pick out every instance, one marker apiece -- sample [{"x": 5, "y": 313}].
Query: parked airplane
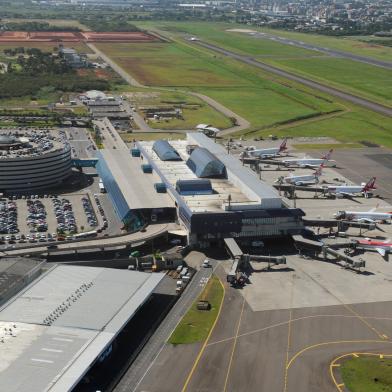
[
  {"x": 268, "y": 152},
  {"x": 312, "y": 162},
  {"x": 305, "y": 179},
  {"x": 382, "y": 247},
  {"x": 370, "y": 216},
  {"x": 341, "y": 191}
]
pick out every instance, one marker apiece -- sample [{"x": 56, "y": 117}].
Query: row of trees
[
  {"x": 35, "y": 26},
  {"x": 20, "y": 85}
]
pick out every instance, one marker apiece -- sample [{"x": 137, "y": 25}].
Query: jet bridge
[
  {"x": 243, "y": 260},
  {"x": 318, "y": 247}
]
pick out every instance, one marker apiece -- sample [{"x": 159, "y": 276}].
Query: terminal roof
[{"x": 94, "y": 303}]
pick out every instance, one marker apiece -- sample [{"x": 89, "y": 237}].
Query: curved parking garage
[{"x": 31, "y": 160}]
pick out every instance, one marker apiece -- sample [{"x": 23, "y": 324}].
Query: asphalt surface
[
  {"x": 331, "y": 52},
  {"x": 146, "y": 359},
  {"x": 307, "y": 82},
  {"x": 360, "y": 164},
  {"x": 274, "y": 350}
]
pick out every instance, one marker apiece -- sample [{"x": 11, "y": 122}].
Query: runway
[
  {"x": 376, "y": 107},
  {"x": 331, "y": 52}
]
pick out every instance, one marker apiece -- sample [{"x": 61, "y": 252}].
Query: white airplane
[
  {"x": 305, "y": 179},
  {"x": 370, "y": 216},
  {"x": 382, "y": 247},
  {"x": 268, "y": 152},
  {"x": 311, "y": 162},
  {"x": 341, "y": 191}
]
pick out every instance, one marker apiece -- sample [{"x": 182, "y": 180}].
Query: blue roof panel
[
  {"x": 165, "y": 151},
  {"x": 205, "y": 164}
]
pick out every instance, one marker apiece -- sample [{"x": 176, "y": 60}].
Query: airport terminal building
[
  {"x": 65, "y": 322},
  {"x": 196, "y": 182}
]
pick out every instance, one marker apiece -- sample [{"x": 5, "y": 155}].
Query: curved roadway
[{"x": 376, "y": 107}]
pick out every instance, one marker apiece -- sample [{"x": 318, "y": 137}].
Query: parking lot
[{"x": 48, "y": 218}]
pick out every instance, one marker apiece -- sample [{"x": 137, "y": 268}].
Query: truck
[{"x": 102, "y": 187}]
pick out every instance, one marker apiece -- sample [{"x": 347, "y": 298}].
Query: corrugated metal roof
[{"x": 95, "y": 304}]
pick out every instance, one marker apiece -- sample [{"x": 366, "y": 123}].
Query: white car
[{"x": 206, "y": 263}]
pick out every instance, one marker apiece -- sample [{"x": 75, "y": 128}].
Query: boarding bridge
[
  {"x": 318, "y": 247},
  {"x": 243, "y": 260}
]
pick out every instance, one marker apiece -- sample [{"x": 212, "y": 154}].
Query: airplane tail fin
[
  {"x": 319, "y": 171},
  {"x": 283, "y": 146},
  {"x": 370, "y": 185},
  {"x": 328, "y": 155}
]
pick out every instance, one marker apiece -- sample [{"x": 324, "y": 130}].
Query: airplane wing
[
  {"x": 381, "y": 251},
  {"x": 366, "y": 220}
]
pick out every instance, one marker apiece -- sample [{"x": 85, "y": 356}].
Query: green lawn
[
  {"x": 367, "y": 374},
  {"x": 271, "y": 103},
  {"x": 369, "y": 81},
  {"x": 259, "y": 97},
  {"x": 353, "y": 126},
  {"x": 196, "y": 324}
]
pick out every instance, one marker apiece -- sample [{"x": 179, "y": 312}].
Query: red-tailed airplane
[
  {"x": 349, "y": 190},
  {"x": 382, "y": 247}
]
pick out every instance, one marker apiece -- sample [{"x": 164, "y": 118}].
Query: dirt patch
[{"x": 48, "y": 36}]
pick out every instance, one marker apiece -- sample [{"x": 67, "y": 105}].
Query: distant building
[{"x": 73, "y": 58}]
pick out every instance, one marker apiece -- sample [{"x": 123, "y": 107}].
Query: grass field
[
  {"x": 244, "y": 43},
  {"x": 196, "y": 324},
  {"x": 367, "y": 374},
  {"x": 353, "y": 126},
  {"x": 367, "y": 80},
  {"x": 352, "y": 44},
  {"x": 247, "y": 91},
  {"x": 271, "y": 104},
  {"x": 161, "y": 64}
]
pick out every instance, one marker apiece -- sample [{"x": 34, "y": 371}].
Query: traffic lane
[
  {"x": 307, "y": 82},
  {"x": 150, "y": 359}
]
